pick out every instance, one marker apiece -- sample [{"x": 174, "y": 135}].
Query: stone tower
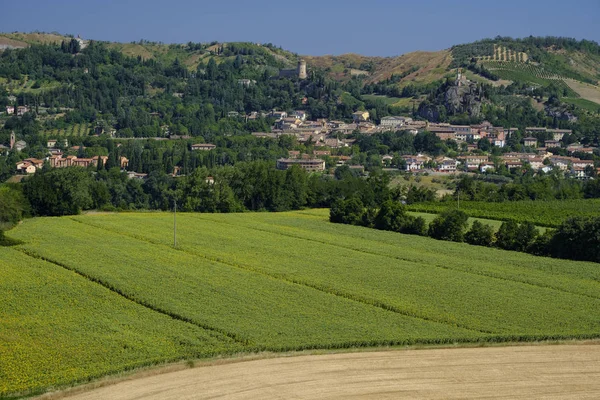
[
  {"x": 12, "y": 140},
  {"x": 302, "y": 69}
]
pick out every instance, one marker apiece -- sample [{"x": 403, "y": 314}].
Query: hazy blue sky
[{"x": 370, "y": 27}]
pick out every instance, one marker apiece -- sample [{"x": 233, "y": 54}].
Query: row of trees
[
  {"x": 575, "y": 239},
  {"x": 255, "y": 186}
]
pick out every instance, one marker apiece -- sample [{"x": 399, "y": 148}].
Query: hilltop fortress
[{"x": 298, "y": 72}]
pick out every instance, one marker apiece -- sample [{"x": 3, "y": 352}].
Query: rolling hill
[{"x": 571, "y": 66}]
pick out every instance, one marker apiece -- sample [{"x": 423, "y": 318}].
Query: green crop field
[
  {"x": 112, "y": 289},
  {"x": 541, "y": 213},
  {"x": 71, "y": 130}
]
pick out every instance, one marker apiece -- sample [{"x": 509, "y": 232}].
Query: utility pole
[{"x": 174, "y": 222}]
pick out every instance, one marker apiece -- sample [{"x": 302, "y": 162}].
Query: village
[{"x": 328, "y": 139}]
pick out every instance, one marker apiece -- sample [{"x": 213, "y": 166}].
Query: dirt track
[{"x": 520, "y": 372}]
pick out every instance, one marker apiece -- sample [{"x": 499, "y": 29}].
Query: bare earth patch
[
  {"x": 585, "y": 90},
  {"x": 519, "y": 372}
]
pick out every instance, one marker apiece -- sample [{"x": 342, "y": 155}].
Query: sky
[{"x": 308, "y": 27}]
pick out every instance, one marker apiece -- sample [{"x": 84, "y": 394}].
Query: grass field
[
  {"x": 583, "y": 103},
  {"x": 260, "y": 281},
  {"x": 541, "y": 213}
]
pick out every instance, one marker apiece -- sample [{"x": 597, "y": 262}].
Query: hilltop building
[{"x": 298, "y": 72}]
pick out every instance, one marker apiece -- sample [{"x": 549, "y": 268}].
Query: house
[
  {"x": 392, "y": 122},
  {"x": 466, "y": 129},
  {"x": 310, "y": 165},
  {"x": 536, "y": 163},
  {"x": 233, "y": 114},
  {"x": 551, "y": 143},
  {"x": 472, "y": 161},
  {"x": 530, "y": 142},
  {"x": 360, "y": 116},
  {"x": 203, "y": 146},
  {"x": 497, "y": 138},
  {"x": 514, "y": 164},
  {"x": 22, "y": 110},
  {"x": 447, "y": 165},
  {"x": 322, "y": 153},
  {"x": 414, "y": 163},
  {"x": 487, "y": 166},
  {"x": 299, "y": 114},
  {"x": 246, "y": 82},
  {"x": 136, "y": 175},
  {"x": 278, "y": 114},
  {"x": 25, "y": 167},
  {"x": 10, "y": 110},
  {"x": 52, "y": 143},
  {"x": 557, "y": 134}
]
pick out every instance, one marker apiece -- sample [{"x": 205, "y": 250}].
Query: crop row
[
  {"x": 541, "y": 213},
  {"x": 71, "y": 130}
]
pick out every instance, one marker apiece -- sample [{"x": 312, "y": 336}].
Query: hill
[
  {"x": 260, "y": 281},
  {"x": 572, "y": 66}
]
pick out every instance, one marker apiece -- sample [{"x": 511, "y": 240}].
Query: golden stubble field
[{"x": 517, "y": 372}]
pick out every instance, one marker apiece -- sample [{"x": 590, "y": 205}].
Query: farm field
[
  {"x": 71, "y": 130},
  {"x": 517, "y": 372},
  {"x": 58, "y": 327},
  {"x": 262, "y": 281},
  {"x": 541, "y": 213}
]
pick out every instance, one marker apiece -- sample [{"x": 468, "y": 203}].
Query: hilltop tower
[
  {"x": 12, "y": 140},
  {"x": 302, "y": 69}
]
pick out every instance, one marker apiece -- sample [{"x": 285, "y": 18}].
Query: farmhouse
[{"x": 311, "y": 165}]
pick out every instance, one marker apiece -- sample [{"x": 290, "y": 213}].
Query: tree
[
  {"x": 12, "y": 206},
  {"x": 450, "y": 225},
  {"x": 62, "y": 191},
  {"x": 348, "y": 211},
  {"x": 514, "y": 236},
  {"x": 480, "y": 234},
  {"x": 577, "y": 239}
]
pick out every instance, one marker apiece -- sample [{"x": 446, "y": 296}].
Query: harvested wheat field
[{"x": 518, "y": 372}]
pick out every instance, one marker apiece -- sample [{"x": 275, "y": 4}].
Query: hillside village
[{"x": 329, "y": 138}]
